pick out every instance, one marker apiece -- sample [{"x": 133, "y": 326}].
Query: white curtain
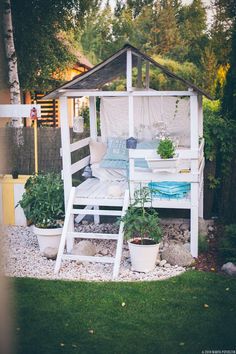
[{"x": 151, "y": 116}]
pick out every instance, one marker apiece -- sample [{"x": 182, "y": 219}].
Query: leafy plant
[
  {"x": 43, "y": 200},
  {"x": 166, "y": 148},
  {"x": 203, "y": 244},
  {"x": 142, "y": 222},
  {"x": 227, "y": 244}
]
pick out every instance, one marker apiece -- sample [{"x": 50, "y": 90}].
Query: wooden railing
[{"x": 79, "y": 165}]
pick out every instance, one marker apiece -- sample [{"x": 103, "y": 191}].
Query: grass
[{"x": 187, "y": 314}]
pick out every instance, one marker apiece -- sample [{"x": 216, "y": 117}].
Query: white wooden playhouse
[{"x": 139, "y": 112}]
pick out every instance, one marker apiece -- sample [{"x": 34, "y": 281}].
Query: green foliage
[
  {"x": 41, "y": 52},
  {"x": 43, "y": 200},
  {"x": 229, "y": 98},
  {"x": 219, "y": 134},
  {"x": 186, "y": 70},
  {"x": 140, "y": 221},
  {"x": 203, "y": 244},
  {"x": 166, "y": 148},
  {"x": 227, "y": 244}
]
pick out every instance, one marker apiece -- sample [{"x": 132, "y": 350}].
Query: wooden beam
[
  {"x": 147, "y": 78},
  {"x": 66, "y": 153},
  {"x": 129, "y": 70},
  {"x": 139, "y": 78},
  {"x": 18, "y": 110},
  {"x": 200, "y": 116},
  {"x": 77, "y": 166},
  {"x": 148, "y": 93},
  {"x": 93, "y": 118},
  {"x": 131, "y": 115}
]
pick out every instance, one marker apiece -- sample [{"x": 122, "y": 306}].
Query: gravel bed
[{"x": 23, "y": 259}]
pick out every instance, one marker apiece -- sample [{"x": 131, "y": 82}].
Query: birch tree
[{"x": 13, "y": 78}]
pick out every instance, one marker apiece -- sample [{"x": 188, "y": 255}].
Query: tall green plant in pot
[
  {"x": 143, "y": 232},
  {"x": 43, "y": 205}
]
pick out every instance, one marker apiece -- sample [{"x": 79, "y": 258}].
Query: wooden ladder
[{"x": 67, "y": 235}]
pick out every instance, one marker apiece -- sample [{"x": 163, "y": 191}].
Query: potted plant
[
  {"x": 143, "y": 232},
  {"x": 43, "y": 205},
  {"x": 166, "y": 159}
]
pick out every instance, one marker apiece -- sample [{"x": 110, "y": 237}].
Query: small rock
[
  {"x": 50, "y": 252},
  {"x": 167, "y": 265},
  {"x": 104, "y": 251},
  {"x": 187, "y": 246},
  {"x": 183, "y": 227},
  {"x": 177, "y": 254},
  {"x": 186, "y": 235},
  {"x": 210, "y": 228},
  {"x": 229, "y": 268},
  {"x": 126, "y": 254},
  {"x": 163, "y": 262},
  {"x": 84, "y": 248}
]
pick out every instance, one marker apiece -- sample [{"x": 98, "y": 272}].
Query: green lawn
[{"x": 158, "y": 317}]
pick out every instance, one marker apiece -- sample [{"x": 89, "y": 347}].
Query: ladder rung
[
  {"x": 91, "y": 235},
  {"x": 102, "y": 259},
  {"x": 96, "y": 212}
]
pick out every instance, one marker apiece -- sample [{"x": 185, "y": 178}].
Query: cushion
[
  {"x": 116, "y": 149},
  {"x": 97, "y": 151},
  {"x": 116, "y": 164},
  {"x": 105, "y": 174},
  {"x": 151, "y": 144}
]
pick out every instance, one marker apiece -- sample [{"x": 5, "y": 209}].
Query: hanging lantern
[{"x": 78, "y": 124}]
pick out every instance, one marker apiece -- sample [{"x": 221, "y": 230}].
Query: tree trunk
[{"x": 13, "y": 78}]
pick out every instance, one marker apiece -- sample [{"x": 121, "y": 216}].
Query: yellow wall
[{"x": 7, "y": 202}]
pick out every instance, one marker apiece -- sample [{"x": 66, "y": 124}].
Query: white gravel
[{"x": 23, "y": 259}]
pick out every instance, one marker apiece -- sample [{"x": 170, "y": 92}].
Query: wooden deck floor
[{"x": 96, "y": 192}]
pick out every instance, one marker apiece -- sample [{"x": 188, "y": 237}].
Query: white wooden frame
[{"x": 194, "y": 155}]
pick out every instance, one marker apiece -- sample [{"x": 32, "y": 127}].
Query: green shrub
[
  {"x": 43, "y": 200},
  {"x": 227, "y": 244},
  {"x": 203, "y": 244}
]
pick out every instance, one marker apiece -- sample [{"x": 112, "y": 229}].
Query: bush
[
  {"x": 43, "y": 200},
  {"x": 227, "y": 244},
  {"x": 203, "y": 244}
]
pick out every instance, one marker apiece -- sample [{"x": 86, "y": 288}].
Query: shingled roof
[{"x": 112, "y": 68}]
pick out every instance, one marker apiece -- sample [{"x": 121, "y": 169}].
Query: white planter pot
[
  {"x": 143, "y": 257},
  {"x": 163, "y": 165},
  {"x": 48, "y": 237}
]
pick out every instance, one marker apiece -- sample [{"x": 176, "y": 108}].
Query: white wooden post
[
  {"x": 200, "y": 117},
  {"x": 200, "y": 130},
  {"x": 194, "y": 170},
  {"x": 129, "y": 70},
  {"x": 66, "y": 161},
  {"x": 147, "y": 79},
  {"x": 93, "y": 135},
  {"x": 139, "y": 78},
  {"x": 131, "y": 115},
  {"x": 93, "y": 118}
]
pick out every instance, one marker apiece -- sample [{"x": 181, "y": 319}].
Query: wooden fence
[{"x": 17, "y": 149}]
